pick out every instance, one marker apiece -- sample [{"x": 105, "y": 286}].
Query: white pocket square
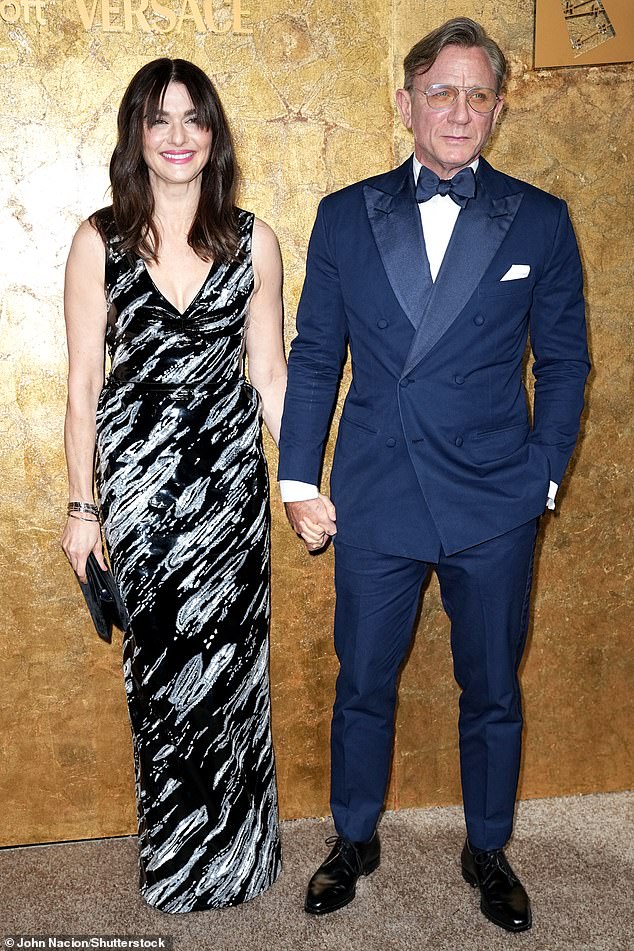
[{"x": 516, "y": 271}]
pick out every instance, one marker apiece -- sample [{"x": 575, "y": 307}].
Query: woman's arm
[
  {"x": 264, "y": 340},
  {"x": 86, "y": 316},
  {"x": 265, "y": 351}
]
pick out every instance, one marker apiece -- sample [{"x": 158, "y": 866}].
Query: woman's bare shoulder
[
  {"x": 87, "y": 246},
  {"x": 263, "y": 232},
  {"x": 266, "y": 248}
]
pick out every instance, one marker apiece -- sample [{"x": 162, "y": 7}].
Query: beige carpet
[{"x": 574, "y": 855}]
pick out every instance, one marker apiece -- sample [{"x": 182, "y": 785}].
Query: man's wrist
[
  {"x": 552, "y": 492},
  {"x": 293, "y": 491}
]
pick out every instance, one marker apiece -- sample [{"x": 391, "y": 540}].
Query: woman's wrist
[{"x": 86, "y": 511}]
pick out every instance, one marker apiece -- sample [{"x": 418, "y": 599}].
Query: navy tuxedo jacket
[{"x": 435, "y": 421}]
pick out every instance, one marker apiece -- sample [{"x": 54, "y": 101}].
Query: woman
[{"x": 191, "y": 283}]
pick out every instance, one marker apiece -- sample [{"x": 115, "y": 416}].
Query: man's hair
[{"x": 461, "y": 31}]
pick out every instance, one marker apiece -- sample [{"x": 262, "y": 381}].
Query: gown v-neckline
[{"x": 168, "y": 301}]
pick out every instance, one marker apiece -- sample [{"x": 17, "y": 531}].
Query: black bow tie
[{"x": 460, "y": 188}]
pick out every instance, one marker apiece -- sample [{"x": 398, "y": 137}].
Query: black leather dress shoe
[
  {"x": 334, "y": 883},
  {"x": 502, "y": 896}
]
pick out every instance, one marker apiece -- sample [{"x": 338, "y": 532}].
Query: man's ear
[
  {"x": 498, "y": 109},
  {"x": 404, "y": 105}
]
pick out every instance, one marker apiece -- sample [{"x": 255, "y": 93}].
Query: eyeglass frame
[{"x": 465, "y": 89}]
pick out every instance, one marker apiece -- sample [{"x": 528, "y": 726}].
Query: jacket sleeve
[
  {"x": 558, "y": 341},
  {"x": 315, "y": 361}
]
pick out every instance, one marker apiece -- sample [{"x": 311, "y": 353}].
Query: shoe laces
[
  {"x": 347, "y": 852},
  {"x": 490, "y": 863}
]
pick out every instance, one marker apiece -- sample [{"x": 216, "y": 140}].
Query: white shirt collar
[{"x": 418, "y": 166}]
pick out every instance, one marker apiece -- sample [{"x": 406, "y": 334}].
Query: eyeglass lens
[{"x": 442, "y": 97}]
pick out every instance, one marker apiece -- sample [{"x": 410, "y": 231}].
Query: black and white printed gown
[{"x": 183, "y": 485}]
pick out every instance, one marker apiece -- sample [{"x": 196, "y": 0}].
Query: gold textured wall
[{"x": 309, "y": 89}]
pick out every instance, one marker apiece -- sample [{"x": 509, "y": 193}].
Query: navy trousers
[{"x": 485, "y": 591}]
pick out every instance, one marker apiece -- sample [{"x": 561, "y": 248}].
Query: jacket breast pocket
[
  {"x": 522, "y": 287},
  {"x": 494, "y": 445}
]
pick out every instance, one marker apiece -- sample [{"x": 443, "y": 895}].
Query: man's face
[{"x": 446, "y": 140}]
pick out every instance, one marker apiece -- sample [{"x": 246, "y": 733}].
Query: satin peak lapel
[
  {"x": 477, "y": 235},
  {"x": 398, "y": 232}
]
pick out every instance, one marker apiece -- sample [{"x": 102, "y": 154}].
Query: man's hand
[{"x": 313, "y": 520}]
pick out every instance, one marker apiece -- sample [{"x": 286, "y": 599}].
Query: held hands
[
  {"x": 79, "y": 538},
  {"x": 313, "y": 520}
]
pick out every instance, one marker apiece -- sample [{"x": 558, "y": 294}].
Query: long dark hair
[{"x": 214, "y": 230}]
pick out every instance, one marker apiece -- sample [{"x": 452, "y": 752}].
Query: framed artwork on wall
[{"x": 583, "y": 32}]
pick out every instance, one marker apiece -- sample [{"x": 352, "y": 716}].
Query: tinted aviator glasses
[{"x": 480, "y": 98}]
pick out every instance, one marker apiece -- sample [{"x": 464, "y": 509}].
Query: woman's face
[{"x": 175, "y": 147}]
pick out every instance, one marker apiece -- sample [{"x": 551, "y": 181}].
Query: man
[{"x": 434, "y": 273}]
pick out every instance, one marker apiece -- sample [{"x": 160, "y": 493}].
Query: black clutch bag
[{"x": 103, "y": 599}]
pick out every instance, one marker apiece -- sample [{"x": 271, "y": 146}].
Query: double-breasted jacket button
[
  {"x": 405, "y": 382},
  {"x": 382, "y": 323},
  {"x": 390, "y": 442},
  {"x": 458, "y": 379},
  {"x": 459, "y": 441},
  {"x": 478, "y": 320}
]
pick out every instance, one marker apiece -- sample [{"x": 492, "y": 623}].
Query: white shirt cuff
[
  {"x": 552, "y": 492},
  {"x": 292, "y": 491}
]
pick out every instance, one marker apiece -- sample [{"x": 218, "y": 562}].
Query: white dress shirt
[{"x": 438, "y": 216}]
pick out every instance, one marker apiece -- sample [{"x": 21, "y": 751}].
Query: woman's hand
[{"x": 79, "y": 539}]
